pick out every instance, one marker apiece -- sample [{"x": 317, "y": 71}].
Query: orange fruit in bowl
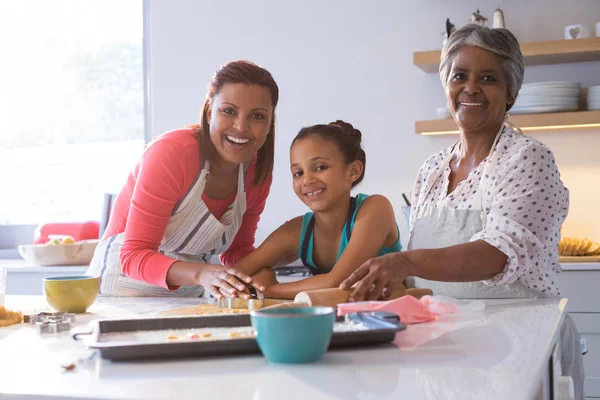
[{"x": 67, "y": 240}]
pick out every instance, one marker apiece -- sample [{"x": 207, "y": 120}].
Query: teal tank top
[{"x": 305, "y": 247}]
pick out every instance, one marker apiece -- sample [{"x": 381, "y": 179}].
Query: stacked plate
[
  {"x": 593, "y": 98},
  {"x": 544, "y": 97}
]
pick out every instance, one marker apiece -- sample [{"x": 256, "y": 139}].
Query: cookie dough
[
  {"x": 201, "y": 309},
  {"x": 8, "y": 317}
]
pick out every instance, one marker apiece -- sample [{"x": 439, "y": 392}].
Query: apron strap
[
  {"x": 448, "y": 158},
  {"x": 308, "y": 235},
  {"x": 351, "y": 210}
]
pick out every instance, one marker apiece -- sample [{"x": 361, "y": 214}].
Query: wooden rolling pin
[{"x": 333, "y": 297}]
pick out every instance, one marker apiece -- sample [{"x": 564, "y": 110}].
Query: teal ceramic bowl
[{"x": 293, "y": 335}]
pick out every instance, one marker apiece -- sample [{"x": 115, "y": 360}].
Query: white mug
[
  {"x": 577, "y": 31},
  {"x": 598, "y": 29}
]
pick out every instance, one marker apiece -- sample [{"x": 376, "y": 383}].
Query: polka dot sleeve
[{"x": 526, "y": 204}]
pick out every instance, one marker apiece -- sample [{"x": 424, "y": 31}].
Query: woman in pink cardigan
[{"x": 195, "y": 192}]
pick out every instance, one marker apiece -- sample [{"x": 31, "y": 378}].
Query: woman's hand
[
  {"x": 223, "y": 281},
  {"x": 264, "y": 278},
  {"x": 376, "y": 275}
]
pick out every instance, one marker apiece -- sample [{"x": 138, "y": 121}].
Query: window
[{"x": 71, "y": 106}]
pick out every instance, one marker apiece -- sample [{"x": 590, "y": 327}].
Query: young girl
[{"x": 341, "y": 232}]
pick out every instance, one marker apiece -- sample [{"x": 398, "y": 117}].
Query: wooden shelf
[
  {"x": 577, "y": 120},
  {"x": 534, "y": 53}
]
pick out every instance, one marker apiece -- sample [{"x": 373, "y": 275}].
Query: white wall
[{"x": 352, "y": 60}]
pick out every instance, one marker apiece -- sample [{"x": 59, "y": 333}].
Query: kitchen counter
[
  {"x": 500, "y": 353},
  {"x": 25, "y": 278},
  {"x": 22, "y": 266},
  {"x": 581, "y": 266}
]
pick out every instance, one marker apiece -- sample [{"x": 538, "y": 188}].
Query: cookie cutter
[
  {"x": 47, "y": 322},
  {"x": 254, "y": 303}
]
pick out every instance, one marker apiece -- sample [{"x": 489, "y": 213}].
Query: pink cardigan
[{"x": 161, "y": 178}]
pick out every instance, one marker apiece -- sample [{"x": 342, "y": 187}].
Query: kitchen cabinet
[
  {"x": 579, "y": 283},
  {"x": 26, "y": 278}
]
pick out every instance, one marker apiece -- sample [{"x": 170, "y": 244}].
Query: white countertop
[
  {"x": 499, "y": 353},
  {"x": 20, "y": 265},
  {"x": 582, "y": 266}
]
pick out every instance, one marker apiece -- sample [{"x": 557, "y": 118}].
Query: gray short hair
[{"x": 499, "y": 41}]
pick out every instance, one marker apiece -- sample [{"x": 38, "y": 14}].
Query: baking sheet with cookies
[
  {"x": 221, "y": 335},
  {"x": 574, "y": 249}
]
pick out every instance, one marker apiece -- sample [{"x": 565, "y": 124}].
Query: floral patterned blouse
[{"x": 525, "y": 203}]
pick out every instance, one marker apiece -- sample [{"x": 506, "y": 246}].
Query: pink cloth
[{"x": 410, "y": 309}]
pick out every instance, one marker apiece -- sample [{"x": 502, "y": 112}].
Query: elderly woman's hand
[{"x": 376, "y": 275}]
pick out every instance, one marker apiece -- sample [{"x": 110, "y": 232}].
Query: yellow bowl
[{"x": 72, "y": 294}]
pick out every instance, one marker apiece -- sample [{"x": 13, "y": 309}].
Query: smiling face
[
  {"x": 321, "y": 176},
  {"x": 239, "y": 118},
  {"x": 477, "y": 90}
]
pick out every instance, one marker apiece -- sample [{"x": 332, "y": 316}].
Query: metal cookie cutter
[
  {"x": 46, "y": 322},
  {"x": 254, "y": 303}
]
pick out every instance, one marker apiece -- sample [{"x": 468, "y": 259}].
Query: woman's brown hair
[{"x": 249, "y": 74}]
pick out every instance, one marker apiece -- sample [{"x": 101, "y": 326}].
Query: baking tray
[{"x": 381, "y": 328}]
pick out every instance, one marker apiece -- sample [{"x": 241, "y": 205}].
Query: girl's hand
[
  {"x": 375, "y": 275},
  {"x": 264, "y": 278},
  {"x": 223, "y": 281}
]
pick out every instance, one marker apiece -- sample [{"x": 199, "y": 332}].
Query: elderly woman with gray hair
[{"x": 487, "y": 211}]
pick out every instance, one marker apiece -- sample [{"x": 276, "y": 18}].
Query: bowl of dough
[{"x": 60, "y": 250}]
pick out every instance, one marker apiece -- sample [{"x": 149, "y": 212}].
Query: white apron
[
  {"x": 438, "y": 227},
  {"x": 193, "y": 234}
]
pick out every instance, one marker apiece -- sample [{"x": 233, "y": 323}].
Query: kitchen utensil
[
  {"x": 256, "y": 302},
  {"x": 238, "y": 302},
  {"x": 333, "y": 297},
  {"x": 311, "y": 298},
  {"x": 293, "y": 335},
  {"x": 72, "y": 294},
  {"x": 128, "y": 346},
  {"x": 46, "y": 322}
]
